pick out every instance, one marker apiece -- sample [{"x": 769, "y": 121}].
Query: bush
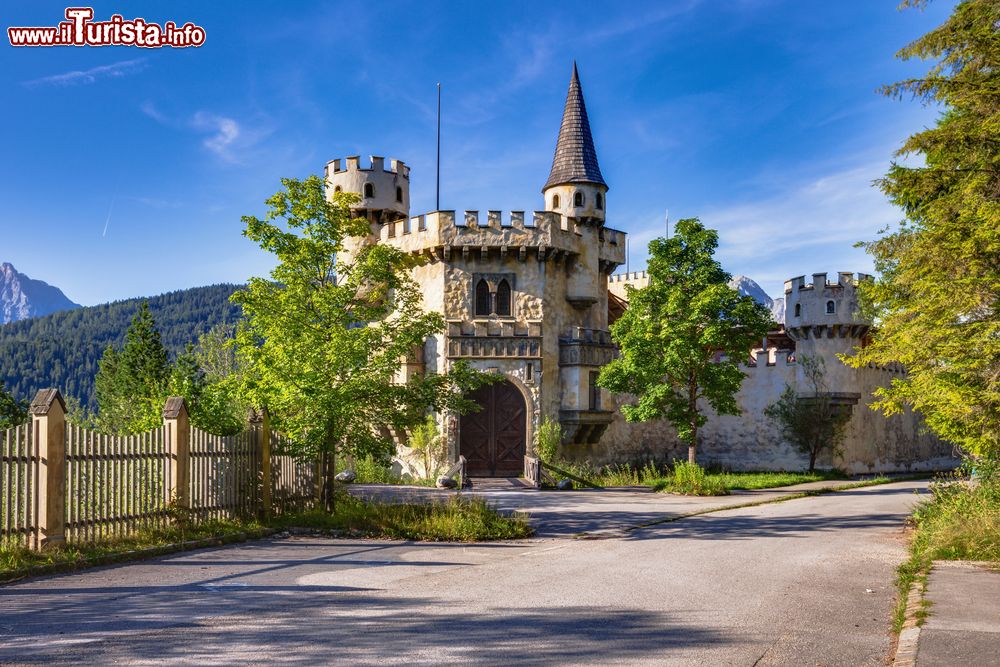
[
  {"x": 426, "y": 441},
  {"x": 691, "y": 479},
  {"x": 548, "y": 440},
  {"x": 371, "y": 469}
]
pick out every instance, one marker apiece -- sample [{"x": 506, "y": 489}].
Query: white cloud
[
  {"x": 811, "y": 225},
  {"x": 92, "y": 75},
  {"x": 225, "y": 131}
]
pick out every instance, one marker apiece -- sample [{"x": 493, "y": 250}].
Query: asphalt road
[{"x": 803, "y": 582}]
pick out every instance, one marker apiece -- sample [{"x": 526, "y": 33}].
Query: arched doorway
[{"x": 493, "y": 440}]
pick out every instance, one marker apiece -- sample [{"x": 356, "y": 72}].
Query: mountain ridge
[{"x": 22, "y": 297}]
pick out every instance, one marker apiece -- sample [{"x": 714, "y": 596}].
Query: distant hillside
[
  {"x": 21, "y": 297},
  {"x": 62, "y": 349}
]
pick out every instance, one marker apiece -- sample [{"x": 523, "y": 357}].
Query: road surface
[{"x": 802, "y": 582}]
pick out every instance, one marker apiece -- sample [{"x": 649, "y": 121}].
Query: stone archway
[{"x": 494, "y": 440}]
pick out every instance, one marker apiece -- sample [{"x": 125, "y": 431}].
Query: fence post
[
  {"x": 178, "y": 427},
  {"x": 262, "y": 420},
  {"x": 48, "y": 417}
]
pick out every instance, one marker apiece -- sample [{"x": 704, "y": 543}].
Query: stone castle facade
[{"x": 531, "y": 295}]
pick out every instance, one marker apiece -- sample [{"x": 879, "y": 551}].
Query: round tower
[
  {"x": 822, "y": 318},
  {"x": 384, "y": 193},
  {"x": 575, "y": 187}
]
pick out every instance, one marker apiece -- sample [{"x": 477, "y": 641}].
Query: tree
[
  {"x": 814, "y": 422},
  {"x": 131, "y": 383},
  {"x": 323, "y": 339},
  {"x": 12, "y": 411},
  {"x": 683, "y": 336},
  {"x": 937, "y": 298}
]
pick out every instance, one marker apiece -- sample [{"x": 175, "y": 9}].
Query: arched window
[
  {"x": 482, "y": 298},
  {"x": 337, "y": 189},
  {"x": 578, "y": 199},
  {"x": 369, "y": 191},
  {"x": 503, "y": 298},
  {"x": 399, "y": 195},
  {"x": 831, "y": 307},
  {"x": 798, "y": 310},
  {"x": 555, "y": 201},
  {"x": 599, "y": 199}
]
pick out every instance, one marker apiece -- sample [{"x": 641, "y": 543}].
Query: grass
[
  {"x": 960, "y": 521},
  {"x": 16, "y": 560},
  {"x": 683, "y": 478},
  {"x": 455, "y": 520},
  {"x": 371, "y": 470}
]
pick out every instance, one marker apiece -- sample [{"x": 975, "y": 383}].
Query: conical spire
[{"x": 575, "y": 160}]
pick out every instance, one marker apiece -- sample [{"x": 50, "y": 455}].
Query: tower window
[
  {"x": 599, "y": 199},
  {"x": 503, "y": 299},
  {"x": 578, "y": 199},
  {"x": 482, "y": 298},
  {"x": 369, "y": 191},
  {"x": 399, "y": 195},
  {"x": 555, "y": 201},
  {"x": 798, "y": 310},
  {"x": 337, "y": 189},
  {"x": 831, "y": 308}
]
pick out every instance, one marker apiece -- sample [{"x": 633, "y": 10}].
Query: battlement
[
  {"x": 376, "y": 164},
  {"x": 629, "y": 278},
  {"x": 550, "y": 234},
  {"x": 770, "y": 357},
  {"x": 819, "y": 281}
]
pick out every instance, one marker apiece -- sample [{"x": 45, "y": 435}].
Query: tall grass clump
[
  {"x": 691, "y": 479},
  {"x": 455, "y": 520}
]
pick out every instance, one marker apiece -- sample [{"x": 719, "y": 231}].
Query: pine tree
[
  {"x": 131, "y": 383},
  {"x": 937, "y": 298}
]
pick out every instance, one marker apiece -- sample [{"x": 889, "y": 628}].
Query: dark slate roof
[{"x": 575, "y": 160}]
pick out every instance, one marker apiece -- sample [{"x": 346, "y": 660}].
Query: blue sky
[{"x": 126, "y": 170}]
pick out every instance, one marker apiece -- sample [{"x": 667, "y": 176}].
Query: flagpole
[{"x": 437, "y": 199}]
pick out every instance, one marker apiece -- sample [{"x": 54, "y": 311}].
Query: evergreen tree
[
  {"x": 12, "y": 411},
  {"x": 683, "y": 336},
  {"x": 937, "y": 298},
  {"x": 131, "y": 383}
]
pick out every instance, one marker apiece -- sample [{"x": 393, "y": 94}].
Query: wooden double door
[{"x": 493, "y": 440}]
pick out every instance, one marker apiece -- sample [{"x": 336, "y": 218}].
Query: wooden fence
[{"x": 61, "y": 482}]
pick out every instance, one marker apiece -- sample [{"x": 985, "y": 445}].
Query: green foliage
[
  {"x": 62, "y": 350},
  {"x": 683, "y": 336},
  {"x": 692, "y": 480},
  {"x": 457, "y": 520},
  {"x": 548, "y": 440},
  {"x": 961, "y": 521},
  {"x": 813, "y": 423},
  {"x": 325, "y": 338},
  {"x": 426, "y": 442},
  {"x": 131, "y": 383},
  {"x": 937, "y": 298},
  {"x": 372, "y": 469},
  {"x": 12, "y": 411}
]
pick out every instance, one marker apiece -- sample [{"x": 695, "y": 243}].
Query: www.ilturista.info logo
[{"x": 81, "y": 30}]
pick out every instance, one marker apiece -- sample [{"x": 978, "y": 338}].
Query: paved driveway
[{"x": 804, "y": 582}]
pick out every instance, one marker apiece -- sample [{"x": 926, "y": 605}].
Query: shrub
[
  {"x": 548, "y": 440},
  {"x": 691, "y": 479},
  {"x": 426, "y": 441}
]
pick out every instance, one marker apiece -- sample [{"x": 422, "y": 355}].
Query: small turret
[
  {"x": 384, "y": 193},
  {"x": 575, "y": 187}
]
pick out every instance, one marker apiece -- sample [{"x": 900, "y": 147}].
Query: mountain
[
  {"x": 748, "y": 287},
  {"x": 21, "y": 297},
  {"x": 61, "y": 350}
]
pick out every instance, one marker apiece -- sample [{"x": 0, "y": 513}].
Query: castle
[{"x": 531, "y": 296}]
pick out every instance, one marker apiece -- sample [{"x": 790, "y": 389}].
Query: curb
[{"x": 909, "y": 636}]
